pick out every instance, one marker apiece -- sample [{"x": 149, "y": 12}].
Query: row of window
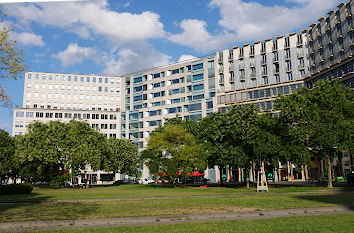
[
  {"x": 69, "y": 97},
  {"x": 76, "y": 88},
  {"x": 73, "y": 78},
  {"x": 66, "y": 115}
]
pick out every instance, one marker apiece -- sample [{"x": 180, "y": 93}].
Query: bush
[{"x": 15, "y": 189}]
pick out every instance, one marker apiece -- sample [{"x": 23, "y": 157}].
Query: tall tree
[
  {"x": 173, "y": 152},
  {"x": 61, "y": 146},
  {"x": 8, "y": 162},
  {"x": 122, "y": 157},
  {"x": 325, "y": 115},
  {"x": 11, "y": 61}
]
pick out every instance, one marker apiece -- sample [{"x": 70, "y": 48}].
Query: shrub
[{"x": 15, "y": 189}]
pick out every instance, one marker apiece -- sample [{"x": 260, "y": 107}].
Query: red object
[{"x": 205, "y": 186}]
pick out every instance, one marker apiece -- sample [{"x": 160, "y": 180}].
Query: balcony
[
  {"x": 241, "y": 56},
  {"x": 328, "y": 28},
  {"x": 300, "y": 54},
  {"x": 351, "y": 43},
  {"x": 287, "y": 58},
  {"x": 301, "y": 66},
  {"x": 231, "y": 68},
  {"x": 337, "y": 20},
  {"x": 276, "y": 71},
  {"x": 231, "y": 57},
  {"x": 329, "y": 41},
  {"x": 220, "y": 59},
  {"x": 221, "y": 69},
  {"x": 348, "y": 13},
  {"x": 275, "y": 48},
  {"x": 242, "y": 77},
  {"x": 275, "y": 60},
  {"x": 263, "y": 50},
  {"x": 287, "y": 45},
  {"x": 264, "y": 62},
  {"x": 339, "y": 35},
  {"x": 251, "y": 53},
  {"x": 330, "y": 54},
  {"x": 242, "y": 66},
  {"x": 350, "y": 28},
  {"x": 253, "y": 75},
  {"x": 299, "y": 43},
  {"x": 221, "y": 80},
  {"x": 232, "y": 79},
  {"x": 252, "y": 64},
  {"x": 264, "y": 73},
  {"x": 319, "y": 45}
]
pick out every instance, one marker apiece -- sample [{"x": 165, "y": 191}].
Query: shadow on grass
[
  {"x": 33, "y": 211},
  {"x": 344, "y": 198}
]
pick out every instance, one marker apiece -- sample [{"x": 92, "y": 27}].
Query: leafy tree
[
  {"x": 173, "y": 152},
  {"x": 11, "y": 61},
  {"x": 122, "y": 156},
  {"x": 8, "y": 162},
  {"x": 211, "y": 135},
  {"x": 58, "y": 146},
  {"x": 191, "y": 126},
  {"x": 324, "y": 115}
]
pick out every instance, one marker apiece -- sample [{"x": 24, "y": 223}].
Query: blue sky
[{"x": 116, "y": 37}]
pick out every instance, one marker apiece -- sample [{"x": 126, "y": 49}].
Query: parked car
[{"x": 146, "y": 181}]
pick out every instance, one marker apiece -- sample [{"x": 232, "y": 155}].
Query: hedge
[{"x": 15, "y": 189}]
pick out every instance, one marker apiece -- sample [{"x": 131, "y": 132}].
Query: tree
[
  {"x": 8, "y": 162},
  {"x": 325, "y": 115},
  {"x": 211, "y": 135},
  {"x": 57, "y": 147},
  {"x": 173, "y": 152},
  {"x": 122, "y": 157},
  {"x": 11, "y": 61}
]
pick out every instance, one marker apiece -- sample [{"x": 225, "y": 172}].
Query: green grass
[
  {"x": 146, "y": 191},
  {"x": 173, "y": 206},
  {"x": 330, "y": 223}
]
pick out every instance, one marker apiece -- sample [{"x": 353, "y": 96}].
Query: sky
[{"x": 116, "y": 37}]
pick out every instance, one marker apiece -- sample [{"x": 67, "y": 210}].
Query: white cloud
[
  {"x": 27, "y": 38},
  {"x": 91, "y": 17},
  {"x": 186, "y": 57},
  {"x": 74, "y": 54},
  {"x": 136, "y": 58},
  {"x": 195, "y": 35},
  {"x": 253, "y": 21}
]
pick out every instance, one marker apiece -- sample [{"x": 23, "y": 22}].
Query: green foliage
[
  {"x": 8, "y": 162},
  {"x": 321, "y": 118},
  {"x": 48, "y": 148},
  {"x": 172, "y": 150},
  {"x": 122, "y": 157},
  {"x": 11, "y": 61},
  {"x": 15, "y": 189}
]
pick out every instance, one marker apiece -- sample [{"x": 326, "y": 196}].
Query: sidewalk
[{"x": 169, "y": 219}]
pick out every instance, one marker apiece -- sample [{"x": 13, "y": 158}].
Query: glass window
[
  {"x": 88, "y": 79},
  {"x": 209, "y": 105},
  {"x": 82, "y": 79},
  {"x": 106, "y": 80},
  {"x": 198, "y": 77},
  {"x": 138, "y": 98},
  {"x": 138, "y": 79},
  {"x": 197, "y": 66},
  {"x": 195, "y": 107},
  {"x": 175, "y": 71},
  {"x": 139, "y": 88},
  {"x": 198, "y": 87},
  {"x": 157, "y": 75}
]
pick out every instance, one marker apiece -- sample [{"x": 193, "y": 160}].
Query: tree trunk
[
  {"x": 289, "y": 173},
  {"x": 276, "y": 178},
  {"x": 302, "y": 173},
  {"x": 264, "y": 178},
  {"x": 306, "y": 173},
  {"x": 251, "y": 177},
  {"x": 239, "y": 175},
  {"x": 329, "y": 167},
  {"x": 220, "y": 173},
  {"x": 247, "y": 179}
]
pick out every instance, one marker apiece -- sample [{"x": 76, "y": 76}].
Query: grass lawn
[
  {"x": 323, "y": 224},
  {"x": 173, "y": 206},
  {"x": 146, "y": 191}
]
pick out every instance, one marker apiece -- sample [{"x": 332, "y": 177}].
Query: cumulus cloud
[
  {"x": 254, "y": 21},
  {"x": 91, "y": 17},
  {"x": 140, "y": 57},
  {"x": 195, "y": 35},
  {"x": 27, "y": 38},
  {"x": 74, "y": 54},
  {"x": 186, "y": 57}
]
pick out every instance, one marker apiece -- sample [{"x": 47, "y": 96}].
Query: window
[
  {"x": 106, "y": 89},
  {"x": 106, "y": 80},
  {"x": 290, "y": 76},
  {"x": 138, "y": 79},
  {"x": 209, "y": 105},
  {"x": 197, "y": 66},
  {"x": 277, "y": 78},
  {"x": 198, "y": 77},
  {"x": 20, "y": 114},
  {"x": 157, "y": 75},
  {"x": 29, "y": 76},
  {"x": 82, "y": 79},
  {"x": 194, "y": 107},
  {"x": 175, "y": 71}
]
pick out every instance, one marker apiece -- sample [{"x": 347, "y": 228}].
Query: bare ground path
[
  {"x": 170, "y": 219},
  {"x": 164, "y": 197}
]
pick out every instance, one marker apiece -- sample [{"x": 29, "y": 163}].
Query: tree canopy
[{"x": 173, "y": 152}]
